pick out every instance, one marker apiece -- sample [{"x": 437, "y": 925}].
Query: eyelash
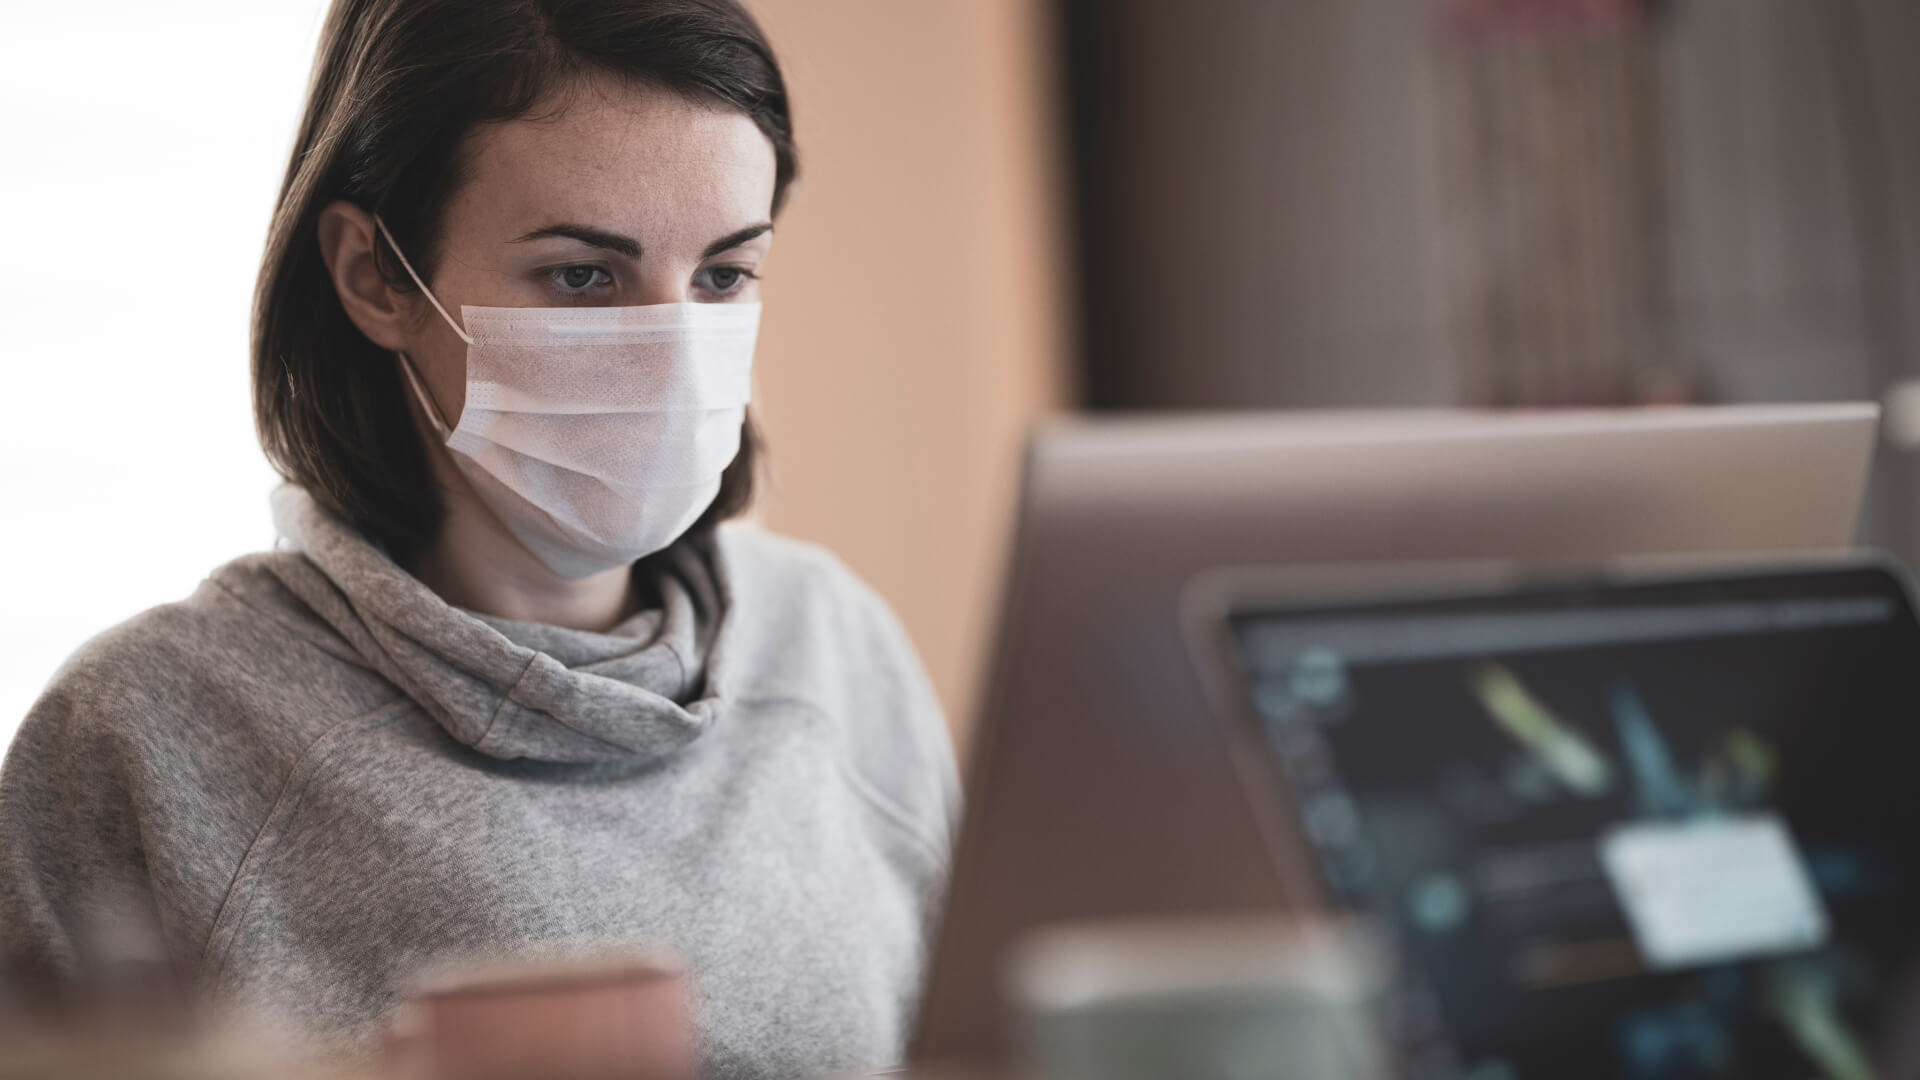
[{"x": 602, "y": 278}]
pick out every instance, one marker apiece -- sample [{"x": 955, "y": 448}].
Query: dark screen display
[{"x": 1648, "y": 831}]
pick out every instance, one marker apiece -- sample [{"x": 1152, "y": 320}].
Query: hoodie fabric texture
[{"x": 314, "y": 779}]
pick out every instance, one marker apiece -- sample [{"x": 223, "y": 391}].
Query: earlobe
[{"x": 347, "y": 238}]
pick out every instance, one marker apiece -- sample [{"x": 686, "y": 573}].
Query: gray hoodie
[{"x": 314, "y": 778}]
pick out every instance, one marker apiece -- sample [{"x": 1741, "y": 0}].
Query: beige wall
[{"x": 916, "y": 302}]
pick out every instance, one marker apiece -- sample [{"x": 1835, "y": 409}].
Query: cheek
[{"x": 447, "y": 380}]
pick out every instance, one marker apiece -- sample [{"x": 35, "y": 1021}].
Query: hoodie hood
[{"x": 639, "y": 692}]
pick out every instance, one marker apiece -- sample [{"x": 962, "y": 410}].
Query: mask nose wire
[{"x": 431, "y": 299}]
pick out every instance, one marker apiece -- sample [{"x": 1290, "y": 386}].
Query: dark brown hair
[{"x": 396, "y": 87}]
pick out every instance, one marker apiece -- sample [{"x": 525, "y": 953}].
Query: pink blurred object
[
  {"x": 627, "y": 1015},
  {"x": 1507, "y": 19}
]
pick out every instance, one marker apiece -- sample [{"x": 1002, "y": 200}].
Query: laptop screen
[{"x": 1655, "y": 830}]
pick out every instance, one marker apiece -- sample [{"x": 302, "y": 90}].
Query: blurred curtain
[{"x": 1553, "y": 207}]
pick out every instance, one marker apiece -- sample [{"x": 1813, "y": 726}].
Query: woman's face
[{"x": 628, "y": 195}]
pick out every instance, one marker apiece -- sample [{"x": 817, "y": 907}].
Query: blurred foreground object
[
  {"x": 132, "y": 1046},
  {"x": 625, "y": 1015},
  {"x": 1202, "y": 1000}
]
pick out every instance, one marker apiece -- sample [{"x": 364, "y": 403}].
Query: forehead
[{"x": 621, "y": 157}]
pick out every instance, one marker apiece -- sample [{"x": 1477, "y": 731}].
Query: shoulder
[
  {"x": 139, "y": 670},
  {"x": 807, "y": 626},
  {"x": 231, "y": 667},
  {"x": 146, "y": 766},
  {"x": 762, "y": 562},
  {"x": 797, "y": 600},
  {"x": 189, "y": 714},
  {"x": 799, "y": 594}
]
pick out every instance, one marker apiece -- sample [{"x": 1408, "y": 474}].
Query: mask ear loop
[
  {"x": 440, "y": 425},
  {"x": 431, "y": 299}
]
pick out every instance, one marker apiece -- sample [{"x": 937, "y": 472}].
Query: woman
[{"x": 507, "y": 686}]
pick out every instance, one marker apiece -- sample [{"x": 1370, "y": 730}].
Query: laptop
[
  {"x": 1628, "y": 826},
  {"x": 1097, "y": 786}
]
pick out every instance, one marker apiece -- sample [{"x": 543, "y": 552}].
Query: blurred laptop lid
[
  {"x": 1097, "y": 786},
  {"x": 1564, "y": 485}
]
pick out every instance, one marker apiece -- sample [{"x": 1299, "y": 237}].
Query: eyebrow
[
  {"x": 735, "y": 239},
  {"x": 628, "y": 246},
  {"x": 587, "y": 234}
]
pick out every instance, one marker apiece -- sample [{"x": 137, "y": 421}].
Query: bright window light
[{"x": 144, "y": 146}]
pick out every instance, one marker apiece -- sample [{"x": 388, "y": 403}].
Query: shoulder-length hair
[{"x": 396, "y": 87}]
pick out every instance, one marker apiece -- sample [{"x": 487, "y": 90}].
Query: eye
[
  {"x": 579, "y": 277},
  {"x": 723, "y": 279}
]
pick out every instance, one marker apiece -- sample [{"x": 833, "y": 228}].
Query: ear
[{"x": 347, "y": 239}]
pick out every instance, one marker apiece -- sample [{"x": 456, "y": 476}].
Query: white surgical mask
[{"x": 596, "y": 435}]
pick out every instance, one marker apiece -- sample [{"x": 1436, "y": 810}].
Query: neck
[{"x": 475, "y": 563}]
